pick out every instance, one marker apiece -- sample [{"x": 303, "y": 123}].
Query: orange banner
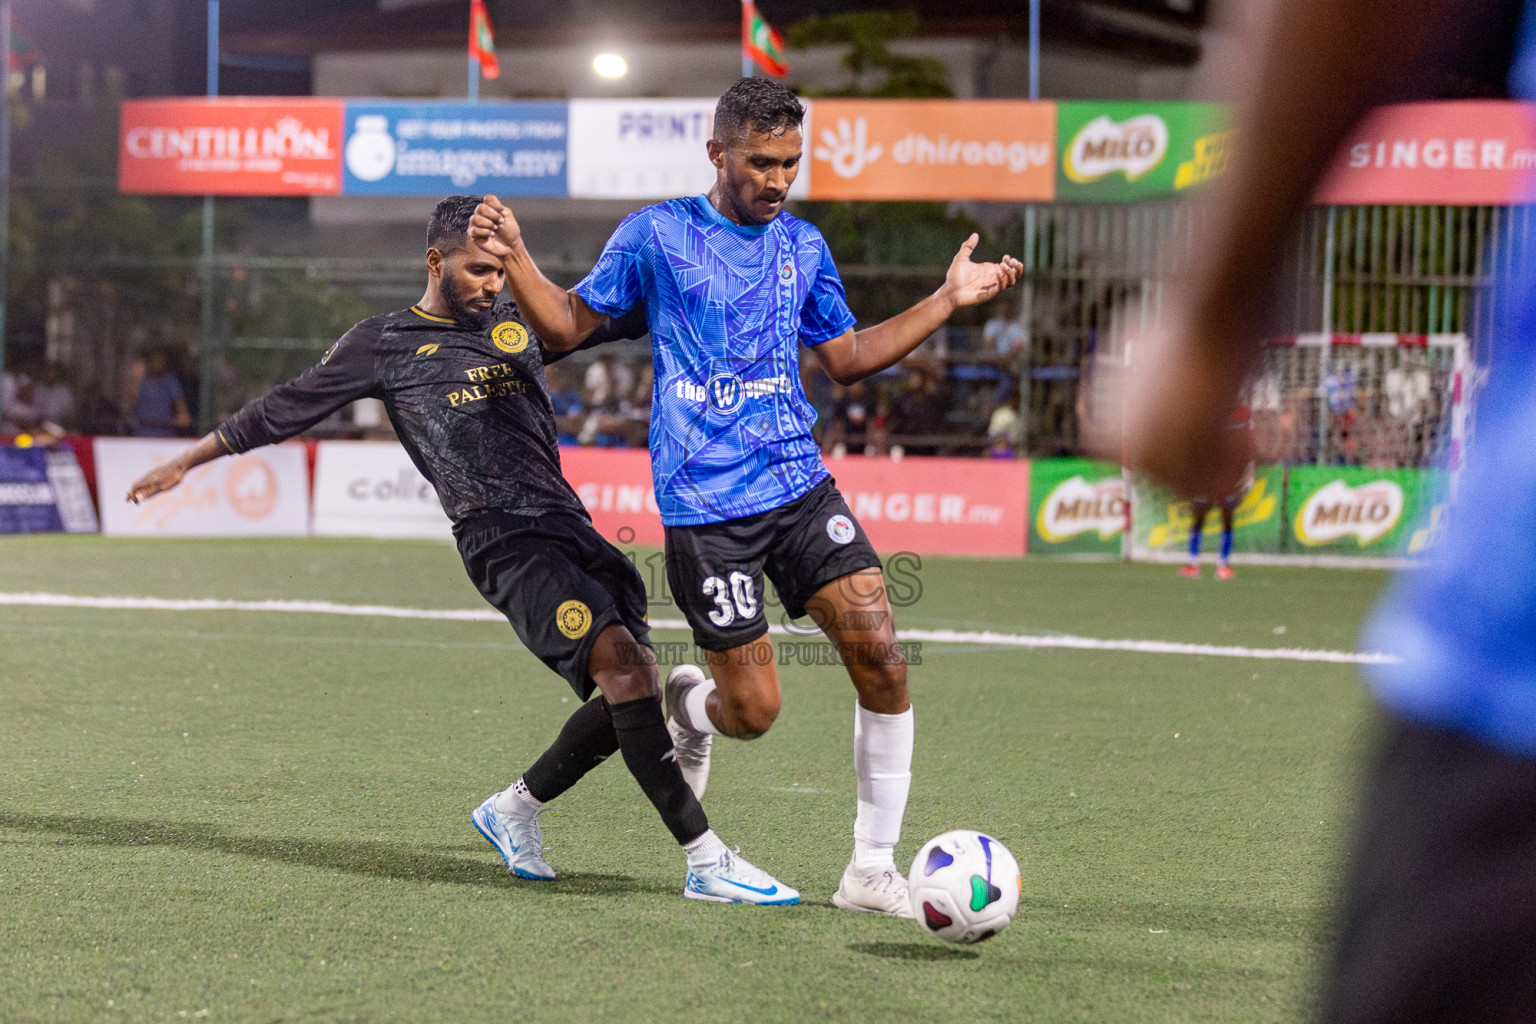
[
  {"x": 932, "y": 149},
  {"x": 1461, "y": 153},
  {"x": 244, "y": 147}
]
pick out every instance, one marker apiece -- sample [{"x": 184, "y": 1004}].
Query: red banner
[
  {"x": 236, "y": 147},
  {"x": 1462, "y": 153},
  {"x": 928, "y": 506}
]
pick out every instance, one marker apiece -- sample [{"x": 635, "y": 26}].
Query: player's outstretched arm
[
  {"x": 1315, "y": 67},
  {"x": 854, "y": 355},
  {"x": 168, "y": 474},
  {"x": 560, "y": 318}
]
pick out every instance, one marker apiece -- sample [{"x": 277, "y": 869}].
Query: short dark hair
[
  {"x": 449, "y": 227},
  {"x": 755, "y": 105}
]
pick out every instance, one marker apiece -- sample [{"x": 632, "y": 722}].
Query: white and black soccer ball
[{"x": 965, "y": 886}]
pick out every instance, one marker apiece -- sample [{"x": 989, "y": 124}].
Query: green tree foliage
[{"x": 868, "y": 35}]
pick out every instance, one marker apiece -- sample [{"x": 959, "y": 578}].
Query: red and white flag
[
  {"x": 761, "y": 42},
  {"x": 482, "y": 44}
]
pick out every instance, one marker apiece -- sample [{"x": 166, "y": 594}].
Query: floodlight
[{"x": 610, "y": 65}]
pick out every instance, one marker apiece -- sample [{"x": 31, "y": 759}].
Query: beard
[{"x": 458, "y": 305}]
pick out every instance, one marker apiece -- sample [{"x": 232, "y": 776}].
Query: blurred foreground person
[{"x": 1440, "y": 907}]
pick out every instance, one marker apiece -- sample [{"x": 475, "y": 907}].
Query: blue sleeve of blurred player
[
  {"x": 825, "y": 314},
  {"x": 615, "y": 283}
]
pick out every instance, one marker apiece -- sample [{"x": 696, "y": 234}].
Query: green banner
[
  {"x": 1162, "y": 521},
  {"x": 1126, "y": 152},
  {"x": 1354, "y": 511},
  {"x": 1076, "y": 506}
]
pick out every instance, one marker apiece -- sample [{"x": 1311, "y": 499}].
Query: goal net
[{"x": 1394, "y": 406}]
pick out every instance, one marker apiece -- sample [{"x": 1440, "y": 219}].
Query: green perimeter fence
[{"x": 244, "y": 320}]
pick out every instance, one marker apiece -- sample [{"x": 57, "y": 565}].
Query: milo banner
[
  {"x": 1347, "y": 510},
  {"x": 1163, "y": 521},
  {"x": 1125, "y": 152},
  {"x": 1077, "y": 506}
]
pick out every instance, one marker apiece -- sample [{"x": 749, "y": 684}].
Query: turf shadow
[
  {"x": 398, "y": 861},
  {"x": 912, "y": 951}
]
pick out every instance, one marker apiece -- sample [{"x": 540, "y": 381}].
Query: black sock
[
  {"x": 647, "y": 749},
  {"x": 586, "y": 741}
]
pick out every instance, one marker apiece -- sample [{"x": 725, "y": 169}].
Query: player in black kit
[{"x": 462, "y": 379}]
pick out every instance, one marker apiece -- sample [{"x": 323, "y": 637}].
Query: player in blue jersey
[
  {"x": 733, "y": 287},
  {"x": 1439, "y": 916}
]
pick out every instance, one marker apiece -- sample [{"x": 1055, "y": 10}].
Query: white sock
[
  {"x": 704, "y": 850},
  {"x": 516, "y": 800},
  {"x": 697, "y": 711},
  {"x": 882, "y": 757}
]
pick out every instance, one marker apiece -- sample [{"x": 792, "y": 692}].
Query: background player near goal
[
  {"x": 1227, "y": 503},
  {"x": 463, "y": 381},
  {"x": 733, "y": 287}
]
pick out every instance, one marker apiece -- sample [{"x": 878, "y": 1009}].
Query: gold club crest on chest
[{"x": 510, "y": 337}]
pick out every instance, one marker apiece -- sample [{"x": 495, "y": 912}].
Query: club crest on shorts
[
  {"x": 840, "y": 529},
  {"x": 573, "y": 619},
  {"x": 510, "y": 337}
]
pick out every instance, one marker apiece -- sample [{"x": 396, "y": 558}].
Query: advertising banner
[
  {"x": 935, "y": 506},
  {"x": 1459, "y": 153},
  {"x": 928, "y": 506},
  {"x": 932, "y": 149},
  {"x": 1355, "y": 511},
  {"x": 232, "y": 147},
  {"x": 264, "y": 493},
  {"x": 646, "y": 149},
  {"x": 1127, "y": 152},
  {"x": 1162, "y": 521},
  {"x": 372, "y": 489},
  {"x": 615, "y": 485},
  {"x": 438, "y": 149},
  {"x": 1076, "y": 506},
  {"x": 43, "y": 491}
]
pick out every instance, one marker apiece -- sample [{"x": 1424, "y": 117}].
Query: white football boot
[
  {"x": 731, "y": 879},
  {"x": 691, "y": 745},
  {"x": 518, "y": 838},
  {"x": 874, "y": 891}
]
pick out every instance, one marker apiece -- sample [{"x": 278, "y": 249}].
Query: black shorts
[
  {"x": 716, "y": 570},
  {"x": 557, "y": 581},
  {"x": 1440, "y": 903}
]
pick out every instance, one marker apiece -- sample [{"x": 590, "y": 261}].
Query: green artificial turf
[{"x": 246, "y": 816}]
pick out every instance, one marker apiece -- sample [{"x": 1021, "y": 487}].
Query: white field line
[{"x": 936, "y": 636}]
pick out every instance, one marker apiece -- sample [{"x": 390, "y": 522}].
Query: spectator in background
[
  {"x": 565, "y": 397},
  {"x": 849, "y": 423},
  {"x": 609, "y": 382},
  {"x": 1005, "y": 430},
  {"x": 156, "y": 404},
  {"x": 19, "y": 411},
  {"x": 918, "y": 410},
  {"x": 55, "y": 401},
  {"x": 638, "y": 429},
  {"x": 1004, "y": 335}
]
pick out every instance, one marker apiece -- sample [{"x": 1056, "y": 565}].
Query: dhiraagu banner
[
  {"x": 1350, "y": 510},
  {"x": 1163, "y": 521},
  {"x": 1124, "y": 152},
  {"x": 1077, "y": 506}
]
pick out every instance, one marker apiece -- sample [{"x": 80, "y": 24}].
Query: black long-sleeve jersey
[{"x": 470, "y": 406}]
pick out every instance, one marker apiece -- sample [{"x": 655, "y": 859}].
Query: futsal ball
[{"x": 965, "y": 886}]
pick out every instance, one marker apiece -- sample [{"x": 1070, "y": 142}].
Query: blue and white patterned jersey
[{"x": 728, "y": 307}]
